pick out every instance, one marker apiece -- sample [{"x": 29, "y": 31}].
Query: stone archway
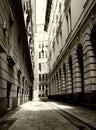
[
  {"x": 93, "y": 41},
  {"x": 71, "y": 73},
  {"x": 93, "y": 38},
  {"x": 81, "y": 68}
]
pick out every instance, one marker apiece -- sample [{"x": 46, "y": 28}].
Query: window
[
  {"x": 27, "y": 5},
  {"x": 39, "y": 87},
  {"x": 43, "y": 87},
  {"x": 68, "y": 19},
  {"x": 39, "y": 54},
  {"x": 50, "y": 55},
  {"x": 67, "y": 24},
  {"x": 43, "y": 54},
  {"x": 61, "y": 33},
  {"x": 46, "y": 76},
  {"x": 39, "y": 45},
  {"x": 42, "y": 76},
  {"x": 17, "y": 91},
  {"x": 60, "y": 7},
  {"x": 70, "y": 24},
  {"x": 46, "y": 54},
  {"x": 39, "y": 77},
  {"x": 42, "y": 45},
  {"x": 53, "y": 45},
  {"x": 39, "y": 95},
  {"x": 56, "y": 18},
  {"x": 46, "y": 86},
  {"x": 40, "y": 66}
]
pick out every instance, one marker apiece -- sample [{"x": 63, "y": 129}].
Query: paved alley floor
[
  {"x": 83, "y": 113},
  {"x": 35, "y": 115}
]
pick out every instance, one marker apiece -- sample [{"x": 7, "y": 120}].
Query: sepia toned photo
[{"x": 47, "y": 64}]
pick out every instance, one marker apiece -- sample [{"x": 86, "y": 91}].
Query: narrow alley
[{"x": 47, "y": 64}]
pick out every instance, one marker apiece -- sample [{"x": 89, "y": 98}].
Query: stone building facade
[
  {"x": 71, "y": 25},
  {"x": 16, "y": 74}
]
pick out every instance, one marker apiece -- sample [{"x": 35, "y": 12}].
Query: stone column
[
  {"x": 60, "y": 81},
  {"x": 68, "y": 81},
  {"x": 63, "y": 80},
  {"x": 57, "y": 87},
  {"x": 54, "y": 85},
  {"x": 76, "y": 73}
]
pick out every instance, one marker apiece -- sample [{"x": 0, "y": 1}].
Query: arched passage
[
  {"x": 57, "y": 82},
  {"x": 60, "y": 80},
  {"x": 71, "y": 73},
  {"x": 93, "y": 38},
  {"x": 60, "y": 72},
  {"x": 81, "y": 68},
  {"x": 93, "y": 41}
]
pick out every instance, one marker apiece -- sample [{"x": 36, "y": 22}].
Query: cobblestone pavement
[{"x": 35, "y": 115}]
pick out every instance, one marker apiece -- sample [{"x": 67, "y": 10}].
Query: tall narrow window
[
  {"x": 39, "y": 87},
  {"x": 67, "y": 24},
  {"x": 46, "y": 76},
  {"x": 54, "y": 46},
  {"x": 60, "y": 7},
  {"x": 42, "y": 45},
  {"x": 68, "y": 19},
  {"x": 43, "y": 87},
  {"x": 39, "y": 54},
  {"x": 17, "y": 91},
  {"x": 46, "y": 54},
  {"x": 42, "y": 76},
  {"x": 39, "y": 45},
  {"x": 39, "y": 77},
  {"x": 43, "y": 54},
  {"x": 70, "y": 23},
  {"x": 40, "y": 66}
]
